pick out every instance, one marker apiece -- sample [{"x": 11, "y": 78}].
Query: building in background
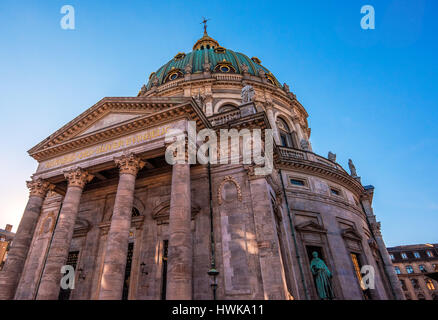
[
  {"x": 105, "y": 201},
  {"x": 414, "y": 264},
  {"x": 6, "y": 237}
]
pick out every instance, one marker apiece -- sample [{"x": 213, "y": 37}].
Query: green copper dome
[{"x": 207, "y": 55}]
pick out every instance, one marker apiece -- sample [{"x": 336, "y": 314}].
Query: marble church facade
[{"x": 104, "y": 200}]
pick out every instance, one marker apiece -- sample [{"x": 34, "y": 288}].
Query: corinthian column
[
  {"x": 179, "y": 272},
  {"x": 13, "y": 267},
  {"x": 111, "y": 285},
  {"x": 58, "y": 252}
]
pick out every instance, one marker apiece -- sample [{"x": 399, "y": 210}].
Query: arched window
[
  {"x": 226, "y": 108},
  {"x": 287, "y": 137},
  {"x": 135, "y": 212},
  {"x": 429, "y": 284}
]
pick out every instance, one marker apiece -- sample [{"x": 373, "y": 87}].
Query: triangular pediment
[
  {"x": 311, "y": 226},
  {"x": 351, "y": 233},
  {"x": 115, "y": 115},
  {"x": 112, "y": 118}
]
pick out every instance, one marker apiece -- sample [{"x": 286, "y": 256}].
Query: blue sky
[{"x": 371, "y": 94}]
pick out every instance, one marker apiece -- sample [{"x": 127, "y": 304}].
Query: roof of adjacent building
[{"x": 410, "y": 249}]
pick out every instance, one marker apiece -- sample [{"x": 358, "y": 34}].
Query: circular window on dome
[
  {"x": 224, "y": 68},
  {"x": 174, "y": 75},
  {"x": 270, "y": 79},
  {"x": 179, "y": 56},
  {"x": 220, "y": 50}
]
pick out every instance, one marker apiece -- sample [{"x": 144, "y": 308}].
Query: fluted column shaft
[
  {"x": 113, "y": 276},
  {"x": 179, "y": 272},
  {"x": 59, "y": 248},
  {"x": 10, "y": 275}
]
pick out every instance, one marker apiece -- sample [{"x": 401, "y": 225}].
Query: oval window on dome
[
  {"x": 220, "y": 50},
  {"x": 224, "y": 68},
  {"x": 179, "y": 56},
  {"x": 173, "y": 75},
  {"x": 270, "y": 79}
]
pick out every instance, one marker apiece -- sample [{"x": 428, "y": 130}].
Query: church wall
[{"x": 335, "y": 214}]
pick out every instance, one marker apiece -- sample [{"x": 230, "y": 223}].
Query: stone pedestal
[
  {"x": 10, "y": 275},
  {"x": 116, "y": 251},
  {"x": 179, "y": 274},
  {"x": 58, "y": 252}
]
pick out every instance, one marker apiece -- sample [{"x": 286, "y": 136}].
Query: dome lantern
[{"x": 206, "y": 42}]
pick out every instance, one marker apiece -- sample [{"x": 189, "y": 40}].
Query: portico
[{"x": 136, "y": 144}]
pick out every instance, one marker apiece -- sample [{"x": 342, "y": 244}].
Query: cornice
[
  {"x": 320, "y": 198},
  {"x": 214, "y": 79},
  {"x": 320, "y": 169}
]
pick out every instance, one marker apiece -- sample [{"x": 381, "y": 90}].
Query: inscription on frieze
[{"x": 107, "y": 147}]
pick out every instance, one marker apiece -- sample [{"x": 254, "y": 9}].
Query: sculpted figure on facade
[
  {"x": 188, "y": 68},
  {"x": 332, "y": 156},
  {"x": 247, "y": 94},
  {"x": 352, "y": 168},
  {"x": 200, "y": 99},
  {"x": 322, "y": 276},
  {"x": 206, "y": 67},
  {"x": 155, "y": 81},
  {"x": 304, "y": 144},
  {"x": 262, "y": 73},
  {"x": 245, "y": 68},
  {"x": 286, "y": 87}
]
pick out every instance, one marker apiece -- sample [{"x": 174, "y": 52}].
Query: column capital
[
  {"x": 77, "y": 177},
  {"x": 269, "y": 105},
  {"x": 39, "y": 187},
  {"x": 129, "y": 163}
]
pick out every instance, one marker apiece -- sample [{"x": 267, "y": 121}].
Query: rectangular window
[
  {"x": 392, "y": 256},
  {"x": 417, "y": 255},
  {"x": 409, "y": 269},
  {"x": 422, "y": 268},
  {"x": 125, "y": 289},
  {"x": 397, "y": 270},
  {"x": 429, "y": 254},
  {"x": 403, "y": 285},
  {"x": 164, "y": 270},
  {"x": 72, "y": 260},
  {"x": 429, "y": 284},
  {"x": 357, "y": 267},
  {"x": 404, "y": 256},
  {"x": 415, "y": 283},
  {"x": 297, "y": 182}
]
